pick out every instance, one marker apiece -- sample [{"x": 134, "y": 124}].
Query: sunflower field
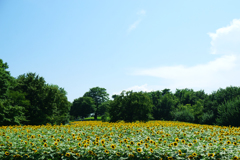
[{"x": 164, "y": 140}]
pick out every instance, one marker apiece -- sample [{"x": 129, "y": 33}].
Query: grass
[{"x": 92, "y": 118}]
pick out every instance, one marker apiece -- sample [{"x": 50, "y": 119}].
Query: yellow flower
[
  {"x": 151, "y": 150},
  {"x": 235, "y": 157},
  {"x": 176, "y": 139},
  {"x": 175, "y": 144},
  {"x": 138, "y": 144},
  {"x": 210, "y": 154},
  {"x": 45, "y": 144},
  {"x": 113, "y": 146},
  {"x": 179, "y": 152},
  {"x": 210, "y": 144},
  {"x": 7, "y": 153},
  {"x": 194, "y": 154},
  {"x": 106, "y": 151},
  {"x": 67, "y": 154},
  {"x": 194, "y": 141},
  {"x": 139, "y": 150},
  {"x": 130, "y": 155},
  {"x": 55, "y": 143},
  {"x": 132, "y": 143},
  {"x": 228, "y": 142},
  {"x": 183, "y": 141},
  {"x": 77, "y": 154},
  {"x": 118, "y": 154},
  {"x": 190, "y": 144}
]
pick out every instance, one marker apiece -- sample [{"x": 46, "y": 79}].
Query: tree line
[{"x": 29, "y": 100}]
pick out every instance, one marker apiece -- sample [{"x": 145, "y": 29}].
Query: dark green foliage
[
  {"x": 183, "y": 113},
  {"x": 229, "y": 113},
  {"x": 11, "y": 101},
  {"x": 163, "y": 105},
  {"x": 56, "y": 99},
  {"x": 99, "y": 95},
  {"x": 134, "y": 106},
  {"x": 48, "y": 103},
  {"x": 82, "y": 107}
]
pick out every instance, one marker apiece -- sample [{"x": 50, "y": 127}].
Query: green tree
[
  {"x": 183, "y": 113},
  {"x": 99, "y": 95},
  {"x": 82, "y": 107},
  {"x": 134, "y": 106},
  {"x": 229, "y": 113},
  {"x": 11, "y": 101},
  {"x": 56, "y": 99},
  {"x": 34, "y": 87}
]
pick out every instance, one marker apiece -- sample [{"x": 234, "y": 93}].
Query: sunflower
[
  {"x": 132, "y": 143},
  {"x": 194, "y": 141},
  {"x": 210, "y": 144},
  {"x": 45, "y": 144},
  {"x": 183, "y": 141},
  {"x": 151, "y": 150},
  {"x": 170, "y": 158},
  {"x": 77, "y": 154},
  {"x": 90, "y": 152},
  {"x": 146, "y": 145},
  {"x": 194, "y": 154},
  {"x": 130, "y": 155},
  {"x": 128, "y": 146},
  {"x": 175, "y": 144},
  {"x": 210, "y": 154},
  {"x": 179, "y": 152},
  {"x": 190, "y": 156},
  {"x": 228, "y": 142},
  {"x": 235, "y": 157},
  {"x": 177, "y": 140},
  {"x": 103, "y": 141},
  {"x": 67, "y": 154},
  {"x": 160, "y": 139},
  {"x": 106, "y": 151},
  {"x": 55, "y": 143},
  {"x": 118, "y": 154},
  {"x": 85, "y": 145},
  {"x": 190, "y": 144},
  {"x": 138, "y": 144},
  {"x": 113, "y": 146},
  {"x": 139, "y": 150},
  {"x": 44, "y": 140},
  {"x": 7, "y": 153},
  {"x": 204, "y": 146}
]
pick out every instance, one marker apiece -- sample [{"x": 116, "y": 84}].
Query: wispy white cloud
[
  {"x": 220, "y": 72},
  {"x": 142, "y": 12},
  {"x": 136, "y": 23}
]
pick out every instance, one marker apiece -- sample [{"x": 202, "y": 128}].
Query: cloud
[
  {"x": 226, "y": 40},
  {"x": 142, "y": 12},
  {"x": 136, "y": 23},
  {"x": 220, "y": 72}
]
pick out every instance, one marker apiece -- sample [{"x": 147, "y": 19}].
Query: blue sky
[{"x": 123, "y": 45}]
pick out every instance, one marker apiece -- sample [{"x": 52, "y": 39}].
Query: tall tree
[
  {"x": 131, "y": 107},
  {"x": 99, "y": 95},
  {"x": 82, "y": 107},
  {"x": 11, "y": 101}
]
